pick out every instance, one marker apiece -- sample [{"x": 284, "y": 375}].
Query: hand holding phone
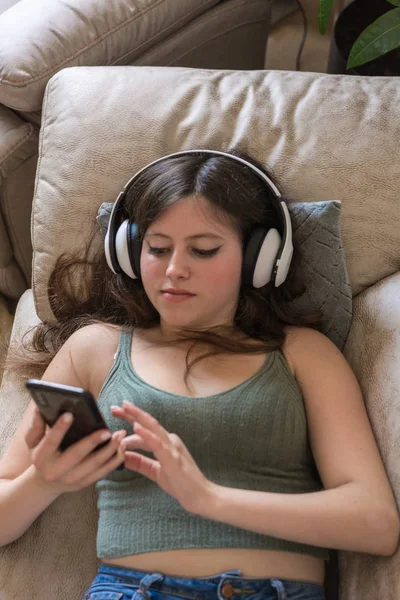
[
  {"x": 54, "y": 399},
  {"x": 85, "y": 458}
]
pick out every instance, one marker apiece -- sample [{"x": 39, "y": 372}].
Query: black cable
[{"x": 303, "y": 39}]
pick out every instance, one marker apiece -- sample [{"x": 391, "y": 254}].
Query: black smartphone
[{"x": 53, "y": 399}]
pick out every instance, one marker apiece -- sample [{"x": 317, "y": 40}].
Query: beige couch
[
  {"x": 324, "y": 137},
  {"x": 40, "y": 37}
]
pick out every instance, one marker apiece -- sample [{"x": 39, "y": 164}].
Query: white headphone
[{"x": 266, "y": 256}]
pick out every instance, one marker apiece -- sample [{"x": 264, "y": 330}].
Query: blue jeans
[{"x": 119, "y": 583}]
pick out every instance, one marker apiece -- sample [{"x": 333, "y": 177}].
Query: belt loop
[
  {"x": 280, "y": 588},
  {"x": 146, "y": 582}
]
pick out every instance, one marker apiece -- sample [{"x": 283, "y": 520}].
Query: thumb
[{"x": 36, "y": 431}]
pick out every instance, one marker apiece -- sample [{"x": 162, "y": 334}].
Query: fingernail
[
  {"x": 118, "y": 435},
  {"x": 68, "y": 418},
  {"x": 126, "y": 403},
  {"x": 105, "y": 436}
]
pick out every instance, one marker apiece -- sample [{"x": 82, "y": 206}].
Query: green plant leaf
[
  {"x": 394, "y": 2},
  {"x": 324, "y": 14},
  {"x": 377, "y": 39}
]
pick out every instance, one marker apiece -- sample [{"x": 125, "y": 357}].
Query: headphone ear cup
[
  {"x": 259, "y": 257},
  {"x": 122, "y": 250},
  {"x": 108, "y": 252},
  {"x": 134, "y": 247}
]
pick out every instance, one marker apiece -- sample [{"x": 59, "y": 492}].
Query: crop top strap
[{"x": 123, "y": 353}]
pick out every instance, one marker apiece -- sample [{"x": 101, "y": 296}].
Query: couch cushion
[
  {"x": 373, "y": 349},
  {"x": 40, "y": 37},
  {"x": 68, "y": 524},
  {"x": 322, "y": 136}
]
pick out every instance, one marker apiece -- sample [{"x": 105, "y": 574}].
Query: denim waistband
[{"x": 200, "y": 588}]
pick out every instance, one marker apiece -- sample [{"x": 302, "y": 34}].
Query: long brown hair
[{"x": 83, "y": 290}]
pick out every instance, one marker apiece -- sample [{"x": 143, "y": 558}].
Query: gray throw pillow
[{"x": 316, "y": 232}]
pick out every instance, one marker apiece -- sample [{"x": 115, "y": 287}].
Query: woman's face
[{"x": 191, "y": 266}]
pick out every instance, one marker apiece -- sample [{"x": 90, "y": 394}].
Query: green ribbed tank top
[{"x": 253, "y": 436}]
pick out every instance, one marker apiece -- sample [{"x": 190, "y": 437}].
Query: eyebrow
[{"x": 189, "y": 237}]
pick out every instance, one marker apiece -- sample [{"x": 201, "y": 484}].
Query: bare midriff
[{"x": 204, "y": 562}]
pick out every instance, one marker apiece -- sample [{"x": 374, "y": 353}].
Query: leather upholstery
[
  {"x": 38, "y": 38},
  {"x": 18, "y": 158},
  {"x": 305, "y": 126}
]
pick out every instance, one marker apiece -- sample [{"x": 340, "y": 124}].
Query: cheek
[
  {"x": 225, "y": 275},
  {"x": 150, "y": 271}
]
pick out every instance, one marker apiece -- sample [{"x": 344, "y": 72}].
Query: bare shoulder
[
  {"x": 96, "y": 332},
  {"x": 90, "y": 342},
  {"x": 299, "y": 335},
  {"x": 305, "y": 347},
  {"x": 92, "y": 349}
]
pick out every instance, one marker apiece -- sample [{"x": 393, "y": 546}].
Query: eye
[
  {"x": 157, "y": 251},
  {"x": 200, "y": 253},
  {"x": 206, "y": 253}
]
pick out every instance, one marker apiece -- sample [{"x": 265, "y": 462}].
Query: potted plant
[{"x": 366, "y": 37}]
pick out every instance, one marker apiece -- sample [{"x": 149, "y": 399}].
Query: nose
[{"x": 178, "y": 267}]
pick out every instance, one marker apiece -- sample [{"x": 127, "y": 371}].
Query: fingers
[
  {"x": 82, "y": 450},
  {"x": 50, "y": 443},
  {"x": 104, "y": 470},
  {"x": 152, "y": 441},
  {"x": 142, "y": 464},
  {"x": 129, "y": 411},
  {"x": 77, "y": 461},
  {"x": 149, "y": 435},
  {"x": 36, "y": 431},
  {"x": 135, "y": 441},
  {"x": 90, "y": 465}
]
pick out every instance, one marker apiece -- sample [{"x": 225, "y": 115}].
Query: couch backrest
[
  {"x": 322, "y": 136},
  {"x": 40, "y": 37}
]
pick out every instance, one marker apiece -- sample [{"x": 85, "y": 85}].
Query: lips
[
  {"x": 174, "y": 292},
  {"x": 177, "y": 295}
]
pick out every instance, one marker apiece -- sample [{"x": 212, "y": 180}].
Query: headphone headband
[{"x": 285, "y": 251}]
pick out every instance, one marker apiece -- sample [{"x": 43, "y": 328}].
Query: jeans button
[{"x": 227, "y": 590}]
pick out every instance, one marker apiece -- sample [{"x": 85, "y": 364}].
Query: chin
[{"x": 179, "y": 321}]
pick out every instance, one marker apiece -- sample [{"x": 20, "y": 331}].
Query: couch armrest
[
  {"x": 40, "y": 37},
  {"x": 18, "y": 142},
  {"x": 373, "y": 350}
]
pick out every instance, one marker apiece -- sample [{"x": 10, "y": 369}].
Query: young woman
[{"x": 251, "y": 453}]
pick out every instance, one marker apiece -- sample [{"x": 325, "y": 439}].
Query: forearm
[
  {"x": 22, "y": 500},
  {"x": 343, "y": 518}
]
